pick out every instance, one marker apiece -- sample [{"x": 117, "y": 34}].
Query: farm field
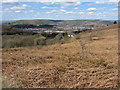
[{"x": 89, "y": 60}]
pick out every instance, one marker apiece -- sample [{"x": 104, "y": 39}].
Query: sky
[{"x": 59, "y": 9}]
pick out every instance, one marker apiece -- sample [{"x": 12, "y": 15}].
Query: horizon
[
  {"x": 59, "y": 19},
  {"x": 6, "y": 21}
]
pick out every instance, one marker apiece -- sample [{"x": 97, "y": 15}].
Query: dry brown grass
[{"x": 63, "y": 65}]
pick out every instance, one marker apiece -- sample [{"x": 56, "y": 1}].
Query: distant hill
[
  {"x": 6, "y": 21},
  {"x": 33, "y": 22},
  {"x": 64, "y": 23},
  {"x": 85, "y": 22}
]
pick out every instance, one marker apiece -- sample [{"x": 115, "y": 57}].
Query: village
[{"x": 70, "y": 30}]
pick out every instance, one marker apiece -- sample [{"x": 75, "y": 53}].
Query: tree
[{"x": 115, "y": 22}]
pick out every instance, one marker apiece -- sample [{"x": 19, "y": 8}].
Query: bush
[
  {"x": 8, "y": 82},
  {"x": 71, "y": 60},
  {"x": 40, "y": 41},
  {"x": 77, "y": 37},
  {"x": 18, "y": 41},
  {"x": 10, "y": 43},
  {"x": 98, "y": 62},
  {"x": 61, "y": 69},
  {"x": 48, "y": 35}
]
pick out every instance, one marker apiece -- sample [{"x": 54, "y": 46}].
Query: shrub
[
  {"x": 61, "y": 69},
  {"x": 18, "y": 41},
  {"x": 8, "y": 82},
  {"x": 78, "y": 37},
  {"x": 71, "y": 60},
  {"x": 99, "y": 62},
  {"x": 10, "y": 43},
  {"x": 40, "y": 41},
  {"x": 48, "y": 35}
]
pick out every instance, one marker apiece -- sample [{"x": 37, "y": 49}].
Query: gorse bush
[
  {"x": 48, "y": 35},
  {"x": 40, "y": 41},
  {"x": 9, "y": 44},
  {"x": 23, "y": 41},
  {"x": 61, "y": 69}
]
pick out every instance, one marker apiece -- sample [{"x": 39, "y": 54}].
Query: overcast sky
[{"x": 59, "y": 9}]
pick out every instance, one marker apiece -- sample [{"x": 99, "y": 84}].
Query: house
[{"x": 71, "y": 34}]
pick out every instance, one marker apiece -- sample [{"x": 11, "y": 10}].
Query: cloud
[
  {"x": 9, "y": 1},
  {"x": 17, "y": 11},
  {"x": 23, "y": 6},
  {"x": 52, "y": 11},
  {"x": 62, "y": 10},
  {"x": 90, "y": 12},
  {"x": 98, "y": 15},
  {"x": 91, "y": 9},
  {"x": 48, "y": 3},
  {"x": 62, "y": 7},
  {"x": 6, "y": 1},
  {"x": 114, "y": 0},
  {"x": 102, "y": 3},
  {"x": 63, "y": 4},
  {"x": 69, "y": 12},
  {"x": 57, "y": 0},
  {"x": 77, "y": 3},
  {"x": 46, "y": 7},
  {"x": 57, "y": 15},
  {"x": 81, "y": 12},
  {"x": 31, "y": 11},
  {"x": 10, "y": 4},
  {"x": 15, "y": 7},
  {"x": 76, "y": 8},
  {"x": 48, "y": 12},
  {"x": 109, "y": 2},
  {"x": 68, "y": 4},
  {"x": 6, "y": 10},
  {"x": 114, "y": 9}
]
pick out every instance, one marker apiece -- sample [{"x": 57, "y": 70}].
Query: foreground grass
[{"x": 64, "y": 65}]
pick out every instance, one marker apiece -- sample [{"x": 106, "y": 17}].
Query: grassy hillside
[
  {"x": 89, "y": 61},
  {"x": 34, "y": 22},
  {"x": 85, "y": 22}
]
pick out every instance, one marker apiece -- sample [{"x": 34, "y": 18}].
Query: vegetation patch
[
  {"x": 74, "y": 59},
  {"x": 40, "y": 41},
  {"x": 61, "y": 69},
  {"x": 10, "y": 83}
]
